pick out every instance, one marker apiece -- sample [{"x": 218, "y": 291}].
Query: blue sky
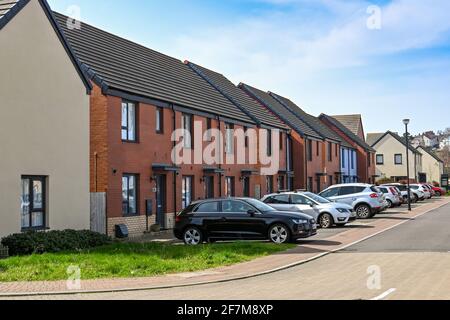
[{"x": 320, "y": 53}]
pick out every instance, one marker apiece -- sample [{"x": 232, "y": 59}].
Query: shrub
[{"x": 53, "y": 241}]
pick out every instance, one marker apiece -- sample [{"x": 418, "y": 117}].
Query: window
[
  {"x": 317, "y": 148},
  {"x": 129, "y": 194},
  {"x": 398, "y": 159},
  {"x": 309, "y": 150},
  {"x": 298, "y": 199},
  {"x": 208, "y": 129},
  {"x": 187, "y": 191},
  {"x": 128, "y": 121},
  {"x": 232, "y": 206},
  {"x": 229, "y": 187},
  {"x": 208, "y": 207},
  {"x": 269, "y": 184},
  {"x": 330, "y": 151},
  {"x": 229, "y": 140},
  {"x": 344, "y": 191},
  {"x": 159, "y": 120},
  {"x": 380, "y": 159},
  {"x": 336, "y": 150},
  {"x": 33, "y": 203},
  {"x": 352, "y": 159},
  {"x": 246, "y": 137},
  {"x": 269, "y": 143},
  {"x": 281, "y": 199},
  {"x": 281, "y": 183},
  {"x": 281, "y": 140},
  {"x": 330, "y": 193},
  {"x": 330, "y": 180},
  {"x": 186, "y": 124},
  {"x": 343, "y": 160},
  {"x": 310, "y": 184}
]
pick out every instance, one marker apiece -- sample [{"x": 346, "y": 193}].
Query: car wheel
[
  {"x": 363, "y": 211},
  {"x": 391, "y": 205},
  {"x": 326, "y": 221},
  {"x": 192, "y": 236},
  {"x": 279, "y": 234},
  {"x": 438, "y": 194}
]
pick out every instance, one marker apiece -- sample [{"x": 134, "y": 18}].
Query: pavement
[{"x": 404, "y": 248}]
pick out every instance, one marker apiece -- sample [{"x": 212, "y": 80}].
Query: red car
[{"x": 439, "y": 191}]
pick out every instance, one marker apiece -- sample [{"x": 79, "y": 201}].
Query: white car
[
  {"x": 325, "y": 212},
  {"x": 392, "y": 196},
  {"x": 421, "y": 188}
]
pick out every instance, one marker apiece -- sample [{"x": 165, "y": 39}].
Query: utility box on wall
[{"x": 445, "y": 182}]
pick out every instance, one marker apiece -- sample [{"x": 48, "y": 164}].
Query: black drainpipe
[
  {"x": 306, "y": 165},
  {"x": 175, "y": 173},
  {"x": 220, "y": 162}
]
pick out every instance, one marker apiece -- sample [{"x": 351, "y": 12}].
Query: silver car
[
  {"x": 422, "y": 189},
  {"x": 403, "y": 188},
  {"x": 392, "y": 196},
  {"x": 325, "y": 212},
  {"x": 365, "y": 199}
]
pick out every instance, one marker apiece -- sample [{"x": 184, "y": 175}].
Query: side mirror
[{"x": 251, "y": 213}]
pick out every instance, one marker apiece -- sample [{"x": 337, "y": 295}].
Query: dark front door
[
  {"x": 209, "y": 187},
  {"x": 246, "y": 185},
  {"x": 161, "y": 200}
]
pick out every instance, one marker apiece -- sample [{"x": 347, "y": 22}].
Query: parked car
[
  {"x": 422, "y": 189},
  {"x": 240, "y": 218},
  {"x": 430, "y": 188},
  {"x": 439, "y": 191},
  {"x": 392, "y": 196},
  {"x": 404, "y": 192},
  {"x": 365, "y": 199},
  {"x": 325, "y": 212}
]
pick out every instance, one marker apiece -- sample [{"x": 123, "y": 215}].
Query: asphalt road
[{"x": 411, "y": 261}]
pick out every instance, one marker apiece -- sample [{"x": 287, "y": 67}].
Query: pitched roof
[
  {"x": 256, "y": 111},
  {"x": 399, "y": 139},
  {"x": 347, "y": 132},
  {"x": 351, "y": 121},
  {"x": 10, "y": 8},
  {"x": 431, "y": 153},
  {"x": 373, "y": 137},
  {"x": 119, "y": 64},
  {"x": 273, "y": 105},
  {"x": 310, "y": 120}
]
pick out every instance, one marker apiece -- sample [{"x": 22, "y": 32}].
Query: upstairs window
[
  {"x": 380, "y": 159},
  {"x": 128, "y": 121},
  {"x": 269, "y": 143},
  {"x": 187, "y": 125},
  {"x": 159, "y": 120},
  {"x": 398, "y": 159},
  {"x": 229, "y": 132},
  {"x": 309, "y": 150},
  {"x": 330, "y": 151}
]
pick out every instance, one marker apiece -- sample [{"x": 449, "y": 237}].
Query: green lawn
[{"x": 121, "y": 260}]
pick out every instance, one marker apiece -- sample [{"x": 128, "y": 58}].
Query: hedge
[{"x": 53, "y": 241}]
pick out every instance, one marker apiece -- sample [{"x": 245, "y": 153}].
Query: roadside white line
[{"x": 384, "y": 295}]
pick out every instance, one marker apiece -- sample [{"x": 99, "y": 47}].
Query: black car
[{"x": 240, "y": 218}]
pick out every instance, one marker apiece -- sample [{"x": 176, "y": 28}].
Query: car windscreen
[
  {"x": 316, "y": 198},
  {"x": 261, "y": 206}
]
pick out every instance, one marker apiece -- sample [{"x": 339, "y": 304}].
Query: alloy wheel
[
  {"x": 325, "y": 221},
  {"x": 192, "y": 237},
  {"x": 279, "y": 234},
  {"x": 363, "y": 212}
]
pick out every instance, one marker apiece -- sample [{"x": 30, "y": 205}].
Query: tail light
[
  {"x": 178, "y": 219},
  {"x": 374, "y": 196},
  {"x": 393, "y": 190}
]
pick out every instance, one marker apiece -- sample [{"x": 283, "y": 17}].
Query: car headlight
[
  {"x": 300, "y": 221},
  {"x": 341, "y": 210}
]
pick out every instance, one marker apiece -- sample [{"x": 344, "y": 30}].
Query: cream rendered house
[
  {"x": 391, "y": 157},
  {"x": 432, "y": 166},
  {"x": 44, "y": 136}
]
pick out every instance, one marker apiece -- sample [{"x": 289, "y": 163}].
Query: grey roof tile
[
  {"x": 258, "y": 112},
  {"x": 351, "y": 121},
  {"x": 288, "y": 117},
  {"x": 347, "y": 132},
  {"x": 132, "y": 68}
]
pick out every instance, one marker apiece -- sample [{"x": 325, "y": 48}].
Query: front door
[
  {"x": 161, "y": 200},
  {"x": 246, "y": 186},
  {"x": 209, "y": 187}
]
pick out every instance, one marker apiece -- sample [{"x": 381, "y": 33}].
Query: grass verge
[{"x": 126, "y": 260}]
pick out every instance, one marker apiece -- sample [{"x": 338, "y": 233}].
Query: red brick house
[
  {"x": 140, "y": 98},
  {"x": 352, "y": 134},
  {"x": 315, "y": 148}
]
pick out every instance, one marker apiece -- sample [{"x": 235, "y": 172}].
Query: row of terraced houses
[{"x": 87, "y": 113}]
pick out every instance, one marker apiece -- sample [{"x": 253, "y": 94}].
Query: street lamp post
[{"x": 406, "y": 123}]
